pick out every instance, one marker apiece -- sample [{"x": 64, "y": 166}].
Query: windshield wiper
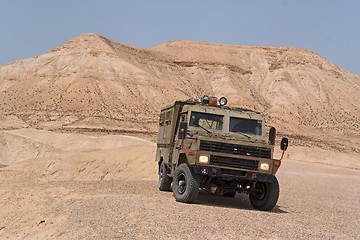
[
  {"x": 244, "y": 134},
  {"x": 209, "y": 132}
]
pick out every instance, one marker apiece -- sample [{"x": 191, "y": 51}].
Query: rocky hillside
[{"x": 93, "y": 83}]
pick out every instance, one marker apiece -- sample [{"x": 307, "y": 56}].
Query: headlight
[
  {"x": 264, "y": 166},
  {"x": 204, "y": 159}
]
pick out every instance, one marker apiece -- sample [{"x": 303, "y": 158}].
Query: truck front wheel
[
  {"x": 185, "y": 184},
  {"x": 265, "y": 195},
  {"x": 164, "y": 179}
]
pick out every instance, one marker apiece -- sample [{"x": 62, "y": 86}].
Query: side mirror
[
  {"x": 284, "y": 144},
  {"x": 182, "y": 129},
  {"x": 272, "y": 135}
]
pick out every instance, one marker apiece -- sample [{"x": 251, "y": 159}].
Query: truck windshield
[
  {"x": 206, "y": 120},
  {"x": 247, "y": 126}
]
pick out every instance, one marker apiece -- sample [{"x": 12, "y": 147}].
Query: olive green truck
[{"x": 203, "y": 144}]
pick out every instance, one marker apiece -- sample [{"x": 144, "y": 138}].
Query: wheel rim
[
  {"x": 261, "y": 191},
  {"x": 182, "y": 183}
]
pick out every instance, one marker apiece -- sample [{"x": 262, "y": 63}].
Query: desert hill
[
  {"x": 66, "y": 185},
  {"x": 95, "y": 84}
]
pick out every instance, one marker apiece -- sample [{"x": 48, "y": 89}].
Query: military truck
[{"x": 203, "y": 144}]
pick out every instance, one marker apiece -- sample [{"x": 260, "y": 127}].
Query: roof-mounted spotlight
[
  {"x": 205, "y": 99},
  {"x": 223, "y": 101}
]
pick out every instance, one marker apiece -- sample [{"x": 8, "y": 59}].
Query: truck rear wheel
[
  {"x": 164, "y": 179},
  {"x": 185, "y": 184},
  {"x": 265, "y": 195}
]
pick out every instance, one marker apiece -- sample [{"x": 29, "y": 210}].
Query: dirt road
[{"x": 316, "y": 202}]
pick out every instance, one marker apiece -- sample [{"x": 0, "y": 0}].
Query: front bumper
[{"x": 227, "y": 174}]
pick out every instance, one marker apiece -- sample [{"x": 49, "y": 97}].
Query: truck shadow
[{"x": 240, "y": 201}]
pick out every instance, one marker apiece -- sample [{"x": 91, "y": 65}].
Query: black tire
[
  {"x": 185, "y": 184},
  {"x": 164, "y": 182},
  {"x": 266, "y": 195},
  {"x": 229, "y": 194}
]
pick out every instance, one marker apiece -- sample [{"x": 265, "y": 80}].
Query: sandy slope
[
  {"x": 35, "y": 155},
  {"x": 92, "y": 187}
]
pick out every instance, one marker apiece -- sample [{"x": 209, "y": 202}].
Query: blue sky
[{"x": 330, "y": 28}]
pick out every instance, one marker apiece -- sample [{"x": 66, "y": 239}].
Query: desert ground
[
  {"x": 77, "y": 186},
  {"x": 78, "y": 131}
]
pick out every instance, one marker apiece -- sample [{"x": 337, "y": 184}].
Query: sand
[{"x": 78, "y": 186}]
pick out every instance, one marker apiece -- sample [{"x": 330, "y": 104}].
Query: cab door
[{"x": 178, "y": 141}]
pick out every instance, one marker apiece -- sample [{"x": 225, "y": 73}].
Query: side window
[
  {"x": 161, "y": 120},
  {"x": 167, "y": 117},
  {"x": 183, "y": 117}
]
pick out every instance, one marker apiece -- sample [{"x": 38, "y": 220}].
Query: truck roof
[{"x": 183, "y": 103}]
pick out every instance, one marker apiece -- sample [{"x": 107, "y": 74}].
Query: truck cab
[{"x": 203, "y": 144}]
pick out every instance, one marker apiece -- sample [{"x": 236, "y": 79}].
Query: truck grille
[
  {"x": 234, "y": 162},
  {"x": 235, "y": 149}
]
